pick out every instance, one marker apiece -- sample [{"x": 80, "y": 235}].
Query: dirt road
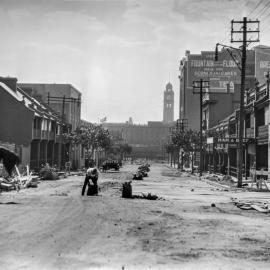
[{"x": 54, "y": 227}]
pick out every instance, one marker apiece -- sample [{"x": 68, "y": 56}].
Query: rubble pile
[
  {"x": 13, "y": 178},
  {"x": 16, "y": 180},
  {"x": 48, "y": 173},
  {"x": 142, "y": 171},
  {"x": 260, "y": 206},
  {"x": 147, "y": 196}
]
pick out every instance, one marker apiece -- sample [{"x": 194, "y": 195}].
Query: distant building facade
[
  {"x": 147, "y": 141},
  {"x": 168, "y": 104}
]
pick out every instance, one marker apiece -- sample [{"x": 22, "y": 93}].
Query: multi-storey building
[
  {"x": 65, "y": 100},
  {"x": 222, "y": 98},
  {"x": 221, "y": 155},
  {"x": 32, "y": 126}
]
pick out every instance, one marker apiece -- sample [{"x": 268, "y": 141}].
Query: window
[
  {"x": 57, "y": 129},
  {"x": 248, "y": 121},
  {"x": 49, "y": 125},
  {"x": 44, "y": 124},
  {"x": 36, "y": 123}
]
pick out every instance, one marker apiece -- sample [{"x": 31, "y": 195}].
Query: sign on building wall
[
  {"x": 262, "y": 63},
  {"x": 222, "y": 74}
]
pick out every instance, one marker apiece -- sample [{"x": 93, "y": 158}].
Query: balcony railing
[
  {"x": 44, "y": 135},
  {"x": 262, "y": 93},
  {"x": 254, "y": 95},
  {"x": 51, "y": 135},
  {"x": 36, "y": 134}
]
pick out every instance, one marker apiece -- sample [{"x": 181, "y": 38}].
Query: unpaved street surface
[{"x": 54, "y": 227}]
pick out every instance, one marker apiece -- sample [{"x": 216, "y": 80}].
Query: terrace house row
[{"x": 32, "y": 126}]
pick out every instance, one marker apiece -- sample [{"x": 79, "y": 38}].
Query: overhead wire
[
  {"x": 254, "y": 8},
  {"x": 266, "y": 8},
  {"x": 258, "y": 9},
  {"x": 258, "y": 13}
]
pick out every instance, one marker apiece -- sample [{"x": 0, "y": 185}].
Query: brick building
[
  {"x": 147, "y": 141},
  {"x": 222, "y": 98},
  {"x": 30, "y": 126},
  {"x": 65, "y": 100}
]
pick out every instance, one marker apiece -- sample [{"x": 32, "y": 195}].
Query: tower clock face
[{"x": 169, "y": 97}]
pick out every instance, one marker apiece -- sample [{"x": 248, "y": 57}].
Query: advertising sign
[
  {"x": 232, "y": 140},
  {"x": 222, "y": 74},
  {"x": 262, "y": 63}
]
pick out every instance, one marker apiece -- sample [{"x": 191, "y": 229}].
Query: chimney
[{"x": 11, "y": 82}]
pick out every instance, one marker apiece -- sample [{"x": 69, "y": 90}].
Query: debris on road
[
  {"x": 10, "y": 176},
  {"x": 137, "y": 176},
  {"x": 9, "y": 203},
  {"x": 127, "y": 190},
  {"x": 259, "y": 206},
  {"x": 48, "y": 173},
  {"x": 142, "y": 172},
  {"x": 26, "y": 180},
  {"x": 216, "y": 177},
  {"x": 59, "y": 194},
  {"x": 147, "y": 196}
]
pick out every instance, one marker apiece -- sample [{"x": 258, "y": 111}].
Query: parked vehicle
[{"x": 110, "y": 164}]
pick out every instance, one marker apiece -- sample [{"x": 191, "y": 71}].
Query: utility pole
[
  {"x": 202, "y": 85},
  {"x": 51, "y": 101},
  {"x": 61, "y": 134},
  {"x": 242, "y": 30}
]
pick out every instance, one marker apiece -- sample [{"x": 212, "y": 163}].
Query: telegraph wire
[
  {"x": 265, "y": 18},
  {"x": 254, "y": 8},
  {"x": 265, "y": 10},
  {"x": 262, "y": 10}
]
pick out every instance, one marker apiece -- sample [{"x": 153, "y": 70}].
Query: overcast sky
[{"x": 119, "y": 53}]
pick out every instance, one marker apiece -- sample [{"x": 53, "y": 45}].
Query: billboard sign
[
  {"x": 262, "y": 63},
  {"x": 222, "y": 74}
]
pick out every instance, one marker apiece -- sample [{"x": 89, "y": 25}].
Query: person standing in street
[{"x": 91, "y": 174}]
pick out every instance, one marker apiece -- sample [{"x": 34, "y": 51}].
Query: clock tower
[{"x": 168, "y": 104}]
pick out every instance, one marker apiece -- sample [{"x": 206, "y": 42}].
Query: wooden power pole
[
  {"x": 202, "y": 85},
  {"x": 242, "y": 30}
]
